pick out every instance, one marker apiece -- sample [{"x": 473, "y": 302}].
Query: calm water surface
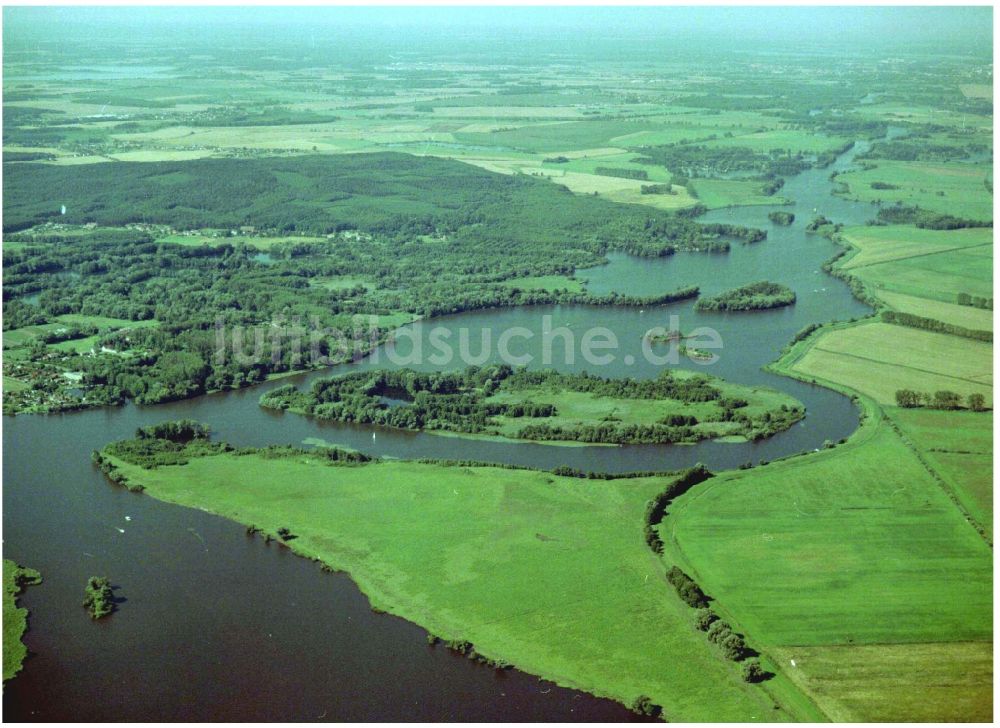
[{"x": 219, "y": 626}]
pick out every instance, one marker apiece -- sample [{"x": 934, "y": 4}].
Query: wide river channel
[{"x": 219, "y": 626}]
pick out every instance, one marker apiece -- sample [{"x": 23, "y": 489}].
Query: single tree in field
[
  {"x": 752, "y": 672},
  {"x": 976, "y": 402},
  {"x": 733, "y": 647}
]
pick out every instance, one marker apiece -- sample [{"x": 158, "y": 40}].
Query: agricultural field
[
  {"x": 961, "y": 190},
  {"x": 969, "y": 317},
  {"x": 958, "y": 447},
  {"x": 877, "y": 359},
  {"x": 929, "y": 264},
  {"x": 835, "y": 604}
]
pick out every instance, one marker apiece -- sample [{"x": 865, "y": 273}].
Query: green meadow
[
  {"x": 823, "y": 557},
  {"x": 935, "y": 264},
  {"x": 958, "y": 447},
  {"x": 545, "y": 572},
  {"x": 715, "y": 193},
  {"x": 957, "y": 189}
]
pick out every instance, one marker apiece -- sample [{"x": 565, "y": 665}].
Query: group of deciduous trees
[
  {"x": 942, "y": 399},
  {"x": 752, "y": 297}
]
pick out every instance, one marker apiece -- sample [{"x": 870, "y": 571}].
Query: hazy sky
[{"x": 955, "y": 28}]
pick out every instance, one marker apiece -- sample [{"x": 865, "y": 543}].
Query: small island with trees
[
  {"x": 753, "y": 297},
  {"x": 780, "y": 217},
  {"x": 99, "y": 597}
]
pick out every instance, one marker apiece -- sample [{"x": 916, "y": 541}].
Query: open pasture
[
  {"x": 877, "y": 359},
  {"x": 885, "y": 243},
  {"x": 715, "y": 193},
  {"x": 959, "y": 447},
  {"x": 855, "y": 572},
  {"x": 956, "y": 189}
]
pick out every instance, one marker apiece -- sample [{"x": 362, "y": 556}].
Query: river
[{"x": 219, "y": 626}]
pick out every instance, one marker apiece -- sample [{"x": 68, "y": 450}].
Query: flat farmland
[
  {"x": 959, "y": 447},
  {"x": 878, "y": 358},
  {"x": 947, "y": 188},
  {"x": 864, "y": 624}
]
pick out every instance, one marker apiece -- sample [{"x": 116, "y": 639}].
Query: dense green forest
[
  {"x": 395, "y": 195},
  {"x": 392, "y": 236}
]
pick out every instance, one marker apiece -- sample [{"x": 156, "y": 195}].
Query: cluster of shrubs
[
  {"x": 965, "y": 299},
  {"x": 329, "y": 454},
  {"x": 644, "y": 705},
  {"x": 168, "y": 443},
  {"x": 114, "y": 474},
  {"x": 817, "y": 222},
  {"x": 466, "y": 648},
  {"x": 686, "y": 588},
  {"x": 657, "y": 189},
  {"x": 623, "y": 172},
  {"x": 733, "y": 645},
  {"x": 943, "y": 399},
  {"x": 904, "y": 215}
]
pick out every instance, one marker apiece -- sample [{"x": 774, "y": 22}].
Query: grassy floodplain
[
  {"x": 548, "y": 573},
  {"x": 15, "y": 618}
]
